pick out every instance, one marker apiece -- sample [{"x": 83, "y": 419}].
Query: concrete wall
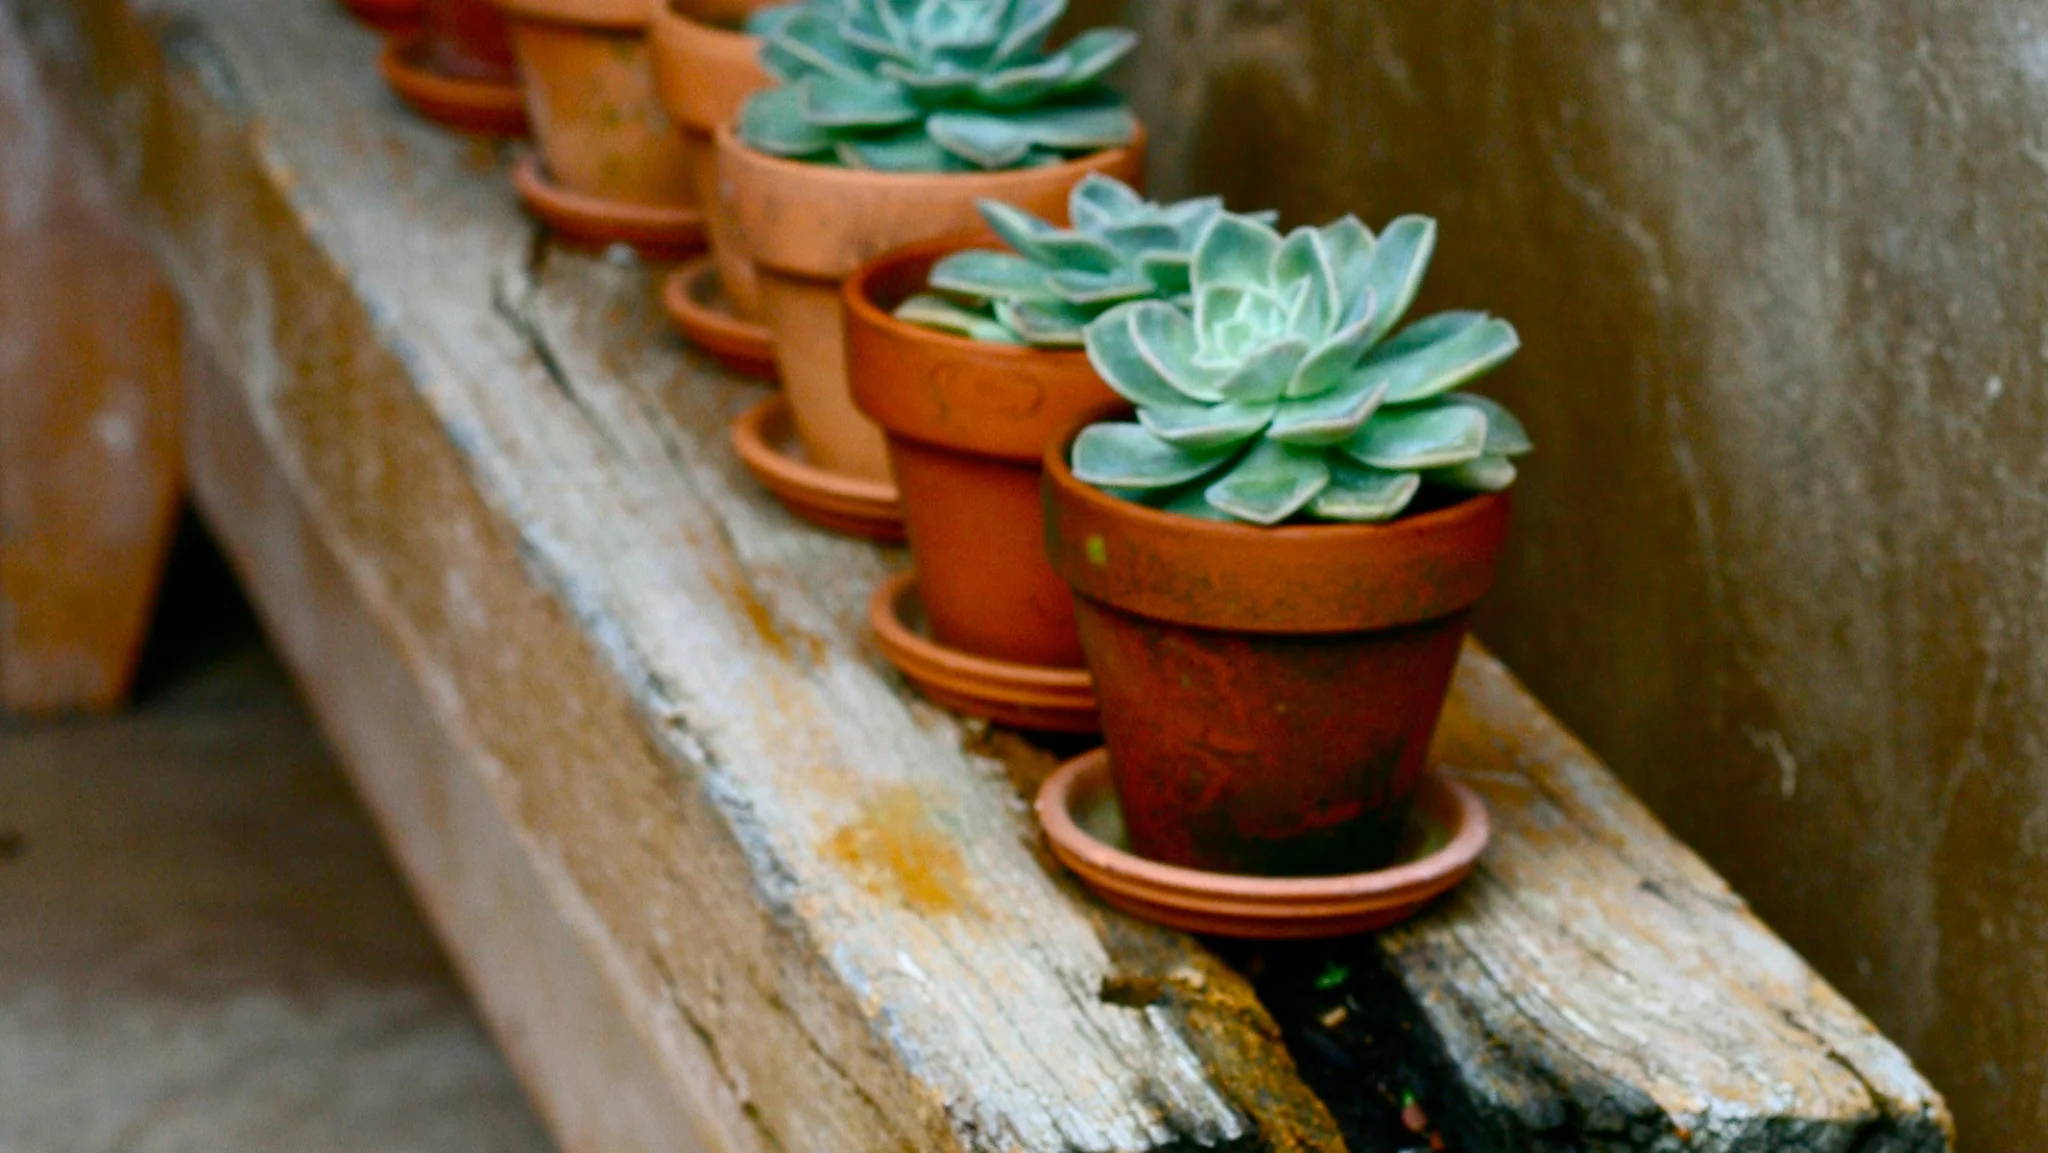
[{"x": 1779, "y": 268}]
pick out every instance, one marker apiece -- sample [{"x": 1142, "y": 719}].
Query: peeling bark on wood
[{"x": 817, "y": 901}]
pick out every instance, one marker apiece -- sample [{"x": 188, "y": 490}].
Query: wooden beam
[
  {"x": 89, "y": 486},
  {"x": 816, "y": 901}
]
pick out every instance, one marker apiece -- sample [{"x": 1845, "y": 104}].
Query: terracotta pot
[
  {"x": 1268, "y": 694},
  {"x": 387, "y": 15},
  {"x": 590, "y": 96},
  {"x": 458, "y": 69},
  {"x": 704, "y": 70},
  {"x": 807, "y": 226},
  {"x": 966, "y": 425}
]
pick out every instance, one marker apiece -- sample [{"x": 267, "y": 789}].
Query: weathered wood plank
[
  {"x": 552, "y": 1009},
  {"x": 816, "y": 900},
  {"x": 89, "y": 485}
]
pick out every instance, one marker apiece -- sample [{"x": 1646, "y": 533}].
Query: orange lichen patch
[
  {"x": 896, "y": 851},
  {"x": 785, "y": 640}
]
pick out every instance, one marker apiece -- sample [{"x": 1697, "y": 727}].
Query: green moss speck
[{"x": 1098, "y": 551}]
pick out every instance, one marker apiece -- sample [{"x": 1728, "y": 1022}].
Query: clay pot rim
[
  {"x": 387, "y": 16},
  {"x": 741, "y": 345},
  {"x": 1415, "y": 881},
  {"x": 613, "y": 15},
  {"x": 486, "y": 107},
  {"x": 655, "y": 231},
  {"x": 858, "y": 295},
  {"x": 676, "y": 37},
  {"x": 1224, "y": 534},
  {"x": 850, "y": 505},
  {"x": 1078, "y": 166}
]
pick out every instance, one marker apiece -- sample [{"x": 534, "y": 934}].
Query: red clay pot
[
  {"x": 809, "y": 226},
  {"x": 457, "y": 68},
  {"x": 1268, "y": 694},
  {"x": 967, "y": 424},
  {"x": 387, "y": 16},
  {"x": 606, "y": 145}
]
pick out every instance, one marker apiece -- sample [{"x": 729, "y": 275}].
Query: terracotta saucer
[
  {"x": 654, "y": 231},
  {"x": 697, "y": 303},
  {"x": 766, "y": 441},
  {"x": 1046, "y": 700},
  {"x": 483, "y": 107},
  {"x": 387, "y": 15},
  {"x": 1078, "y": 810}
]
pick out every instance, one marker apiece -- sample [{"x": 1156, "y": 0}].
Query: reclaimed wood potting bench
[{"x": 718, "y": 880}]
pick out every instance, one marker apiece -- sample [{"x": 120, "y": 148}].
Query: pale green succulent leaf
[
  {"x": 908, "y": 150},
  {"x": 1446, "y": 364},
  {"x": 1205, "y": 426},
  {"x": 773, "y": 121},
  {"x": 1170, "y": 272},
  {"x": 931, "y": 87},
  {"x": 1270, "y": 483},
  {"x": 1086, "y": 124},
  {"x": 1045, "y": 323},
  {"x": 1329, "y": 418},
  {"x": 1400, "y": 260},
  {"x": 830, "y": 101},
  {"x": 1099, "y": 288},
  {"x": 937, "y": 312},
  {"x": 1425, "y": 332},
  {"x": 1146, "y": 352},
  {"x": 1025, "y": 84},
  {"x": 1098, "y": 202},
  {"x": 812, "y": 38},
  {"x": 1505, "y": 435},
  {"x": 1119, "y": 455},
  {"x": 1331, "y": 363},
  {"x": 980, "y": 272},
  {"x": 1193, "y": 501},
  {"x": 1031, "y": 20},
  {"x": 1487, "y": 473},
  {"x": 1235, "y": 252},
  {"x": 1350, "y": 244},
  {"x": 1018, "y": 229},
  {"x": 981, "y": 139},
  {"x": 1091, "y": 55},
  {"x": 1418, "y": 438},
  {"x": 1363, "y": 494},
  {"x": 1303, "y": 260},
  {"x": 1138, "y": 237},
  {"x": 1261, "y": 377}
]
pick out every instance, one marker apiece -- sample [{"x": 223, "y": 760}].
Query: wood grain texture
[
  {"x": 817, "y": 901},
  {"x": 89, "y": 487}
]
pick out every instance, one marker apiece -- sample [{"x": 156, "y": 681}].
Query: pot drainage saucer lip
[
  {"x": 387, "y": 15},
  {"x": 1033, "y": 697},
  {"x": 655, "y": 231},
  {"x": 765, "y": 438},
  {"x": 483, "y": 107},
  {"x": 1077, "y": 808},
  {"x": 696, "y": 301}
]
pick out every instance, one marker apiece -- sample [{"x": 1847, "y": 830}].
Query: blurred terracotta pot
[
  {"x": 457, "y": 68},
  {"x": 807, "y": 226},
  {"x": 610, "y": 169},
  {"x": 704, "y": 69},
  {"x": 1268, "y": 694},
  {"x": 966, "y": 423},
  {"x": 387, "y": 16}
]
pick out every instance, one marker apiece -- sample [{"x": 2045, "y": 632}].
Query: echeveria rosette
[
  {"x": 935, "y": 86},
  {"x": 1283, "y": 391},
  {"x": 1055, "y": 281}
]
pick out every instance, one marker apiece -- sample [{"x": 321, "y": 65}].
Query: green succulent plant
[
  {"x": 935, "y": 86},
  {"x": 1283, "y": 391},
  {"x": 1054, "y": 281}
]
